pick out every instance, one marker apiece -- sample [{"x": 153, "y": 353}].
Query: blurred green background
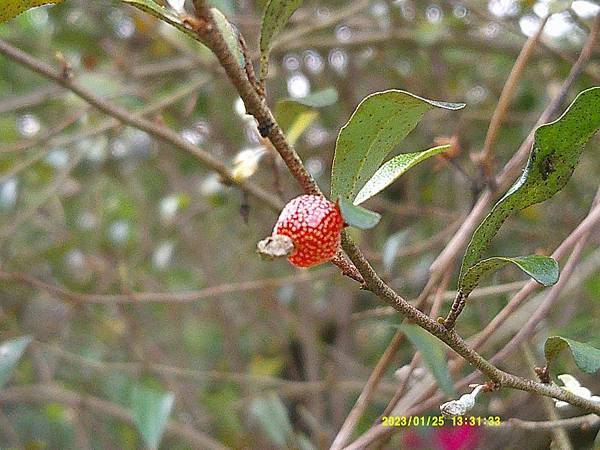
[{"x": 271, "y": 356}]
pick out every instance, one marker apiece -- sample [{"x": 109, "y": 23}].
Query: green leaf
[
  {"x": 172, "y": 18},
  {"x": 271, "y": 414},
  {"x": 294, "y": 116},
  {"x": 586, "y": 357},
  {"x": 319, "y": 99},
  {"x": 12, "y": 8},
  {"x": 393, "y": 169},
  {"x": 432, "y": 352},
  {"x": 230, "y": 35},
  {"x": 391, "y": 247},
  {"x": 381, "y": 121},
  {"x": 151, "y": 410},
  {"x": 164, "y": 14},
  {"x": 542, "y": 269},
  {"x": 277, "y": 13},
  {"x": 357, "y": 216},
  {"x": 555, "y": 153},
  {"x": 10, "y": 354}
]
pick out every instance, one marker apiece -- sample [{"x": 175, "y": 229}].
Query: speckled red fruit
[{"x": 314, "y": 224}]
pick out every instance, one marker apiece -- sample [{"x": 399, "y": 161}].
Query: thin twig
[
  {"x": 544, "y": 309},
  {"x": 484, "y": 292},
  {"x": 444, "y": 260},
  {"x": 508, "y": 91},
  {"x": 158, "y": 131},
  {"x": 208, "y": 33},
  {"x": 161, "y": 297},
  {"x": 30, "y": 99},
  {"x": 588, "y": 421},
  {"x": 43, "y": 393},
  {"x": 283, "y": 386},
  {"x": 362, "y": 402},
  {"x": 559, "y": 435}
]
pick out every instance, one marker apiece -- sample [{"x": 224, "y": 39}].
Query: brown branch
[
  {"x": 255, "y": 105},
  {"x": 559, "y": 435},
  {"x": 30, "y": 99},
  {"x": 209, "y": 34},
  {"x": 370, "y": 386},
  {"x": 544, "y": 309},
  {"x": 588, "y": 421},
  {"x": 512, "y": 168},
  {"x": 160, "y": 297},
  {"x": 158, "y": 131},
  {"x": 486, "y": 157},
  {"x": 283, "y": 386}
]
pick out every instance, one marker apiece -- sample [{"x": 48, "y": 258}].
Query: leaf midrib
[{"x": 362, "y": 163}]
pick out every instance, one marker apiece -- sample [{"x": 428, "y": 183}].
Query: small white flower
[
  {"x": 571, "y": 384},
  {"x": 177, "y": 5},
  {"x": 210, "y": 185},
  {"x": 162, "y": 254},
  {"x": 168, "y": 207},
  {"x": 245, "y": 163},
  {"x": 461, "y": 406}
]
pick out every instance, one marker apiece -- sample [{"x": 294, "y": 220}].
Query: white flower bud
[
  {"x": 571, "y": 384},
  {"x": 461, "y": 406},
  {"x": 245, "y": 163}
]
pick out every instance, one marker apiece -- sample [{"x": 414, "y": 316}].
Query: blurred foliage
[{"x": 97, "y": 207}]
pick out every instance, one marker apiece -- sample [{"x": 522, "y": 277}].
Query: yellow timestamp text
[{"x": 440, "y": 421}]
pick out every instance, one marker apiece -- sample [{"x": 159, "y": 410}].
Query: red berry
[{"x": 314, "y": 224}]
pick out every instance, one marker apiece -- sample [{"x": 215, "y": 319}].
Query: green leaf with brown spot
[
  {"x": 12, "y": 8},
  {"x": 587, "y": 358},
  {"x": 555, "y": 153},
  {"x": 381, "y": 121},
  {"x": 542, "y": 269}
]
